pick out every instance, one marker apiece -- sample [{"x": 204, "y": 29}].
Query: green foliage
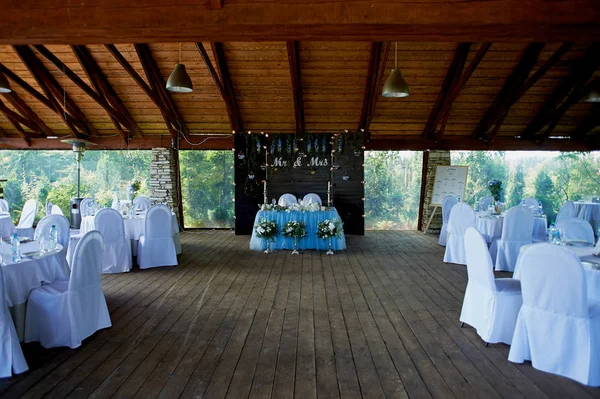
[
  {"x": 483, "y": 167},
  {"x": 517, "y": 187}
]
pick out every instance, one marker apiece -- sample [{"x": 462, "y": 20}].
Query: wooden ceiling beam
[
  {"x": 581, "y": 71},
  {"x": 293, "y": 52},
  {"x": 590, "y": 121},
  {"x": 22, "y": 107},
  {"x": 215, "y": 77},
  {"x": 221, "y": 65},
  {"x": 15, "y": 120},
  {"x": 377, "y": 63},
  {"x": 111, "y": 21},
  {"x": 450, "y": 81},
  {"x": 515, "y": 81},
  {"x": 19, "y": 118}
]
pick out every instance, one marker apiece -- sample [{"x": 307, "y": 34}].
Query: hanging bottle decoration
[
  {"x": 289, "y": 145},
  {"x": 309, "y": 146},
  {"x": 273, "y": 146},
  {"x": 251, "y": 175},
  {"x": 241, "y": 155},
  {"x": 279, "y": 145},
  {"x": 340, "y": 144},
  {"x": 258, "y": 148},
  {"x": 324, "y": 145}
]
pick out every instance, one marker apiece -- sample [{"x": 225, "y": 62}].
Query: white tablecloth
[
  {"x": 589, "y": 211},
  {"x": 491, "y": 227},
  {"x": 7, "y": 227},
  {"x": 592, "y": 276}
]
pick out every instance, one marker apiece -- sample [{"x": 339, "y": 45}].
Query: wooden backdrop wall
[{"x": 249, "y": 176}]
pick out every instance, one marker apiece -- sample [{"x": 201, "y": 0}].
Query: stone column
[
  {"x": 435, "y": 158},
  {"x": 163, "y": 178}
]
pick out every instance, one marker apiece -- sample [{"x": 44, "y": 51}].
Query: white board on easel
[{"x": 449, "y": 180}]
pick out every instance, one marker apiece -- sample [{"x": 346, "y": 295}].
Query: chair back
[
  {"x": 62, "y": 226},
  {"x": 85, "y": 204},
  {"x": 158, "y": 222},
  {"x": 480, "y": 268},
  {"x": 110, "y": 223},
  {"x": 567, "y": 210},
  {"x": 447, "y": 204},
  {"x": 485, "y": 202},
  {"x": 3, "y": 205},
  {"x": 28, "y": 214},
  {"x": 287, "y": 200},
  {"x": 49, "y": 208},
  {"x": 56, "y": 210},
  {"x": 531, "y": 202},
  {"x": 462, "y": 216},
  {"x": 141, "y": 203},
  {"x": 518, "y": 225},
  {"x": 312, "y": 197},
  {"x": 576, "y": 229},
  {"x": 552, "y": 279},
  {"x": 86, "y": 268}
]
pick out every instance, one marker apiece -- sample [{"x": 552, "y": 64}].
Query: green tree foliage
[
  {"x": 516, "y": 185},
  {"x": 483, "y": 167},
  {"x": 545, "y": 192}
]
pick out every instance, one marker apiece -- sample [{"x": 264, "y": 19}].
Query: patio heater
[{"x": 79, "y": 147}]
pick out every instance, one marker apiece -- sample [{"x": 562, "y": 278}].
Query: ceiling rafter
[
  {"x": 377, "y": 63},
  {"x": 450, "y": 81},
  {"x": 15, "y": 120},
  {"x": 20, "y": 105},
  {"x": 221, "y": 66},
  {"x": 590, "y": 121},
  {"x": 60, "y": 100},
  {"x": 215, "y": 77},
  {"x": 18, "y": 118},
  {"x": 293, "y": 52},
  {"x": 102, "y": 86},
  {"x": 581, "y": 71},
  {"x": 513, "y": 83}
]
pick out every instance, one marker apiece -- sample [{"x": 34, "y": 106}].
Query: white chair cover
[
  {"x": 48, "y": 208},
  {"x": 141, "y": 203},
  {"x": 11, "y": 354},
  {"x": 62, "y": 227},
  {"x": 531, "y": 202},
  {"x": 491, "y": 306},
  {"x": 56, "y": 210},
  {"x": 287, "y": 200},
  {"x": 312, "y": 197},
  {"x": 156, "y": 247},
  {"x": 556, "y": 329},
  {"x": 64, "y": 313},
  {"x": 25, "y": 226},
  {"x": 84, "y": 205},
  {"x": 3, "y": 205},
  {"x": 117, "y": 248},
  {"x": 447, "y": 204},
  {"x": 576, "y": 229},
  {"x": 485, "y": 202},
  {"x": 517, "y": 230},
  {"x": 462, "y": 216},
  {"x": 567, "y": 210},
  {"x": 115, "y": 203}
]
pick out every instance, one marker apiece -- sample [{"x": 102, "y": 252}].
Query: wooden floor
[{"x": 378, "y": 320}]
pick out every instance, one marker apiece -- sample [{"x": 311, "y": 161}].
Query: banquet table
[
  {"x": 309, "y": 242},
  {"x": 7, "y": 227},
  {"x": 589, "y": 211},
  {"x": 491, "y": 226},
  {"x": 592, "y": 274},
  {"x": 30, "y": 273}
]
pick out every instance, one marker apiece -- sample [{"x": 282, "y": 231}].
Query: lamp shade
[
  {"x": 593, "y": 96},
  {"x": 179, "y": 81},
  {"x": 395, "y": 85},
  {"x": 4, "y": 86}
]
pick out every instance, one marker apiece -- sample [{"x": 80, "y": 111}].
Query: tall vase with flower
[
  {"x": 327, "y": 230},
  {"x": 295, "y": 230},
  {"x": 267, "y": 230},
  {"x": 495, "y": 187}
]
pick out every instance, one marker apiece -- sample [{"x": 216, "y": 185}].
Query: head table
[
  {"x": 491, "y": 226},
  {"x": 31, "y": 272},
  {"x": 309, "y": 242}
]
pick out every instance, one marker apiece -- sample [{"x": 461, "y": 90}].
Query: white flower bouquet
[
  {"x": 294, "y": 229},
  {"x": 267, "y": 229},
  {"x": 329, "y": 229},
  {"x": 274, "y": 207}
]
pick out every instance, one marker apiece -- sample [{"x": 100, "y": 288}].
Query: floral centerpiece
[
  {"x": 267, "y": 230},
  {"x": 273, "y": 207},
  {"x": 328, "y": 229},
  {"x": 495, "y": 187},
  {"x": 295, "y": 230},
  {"x": 133, "y": 189}
]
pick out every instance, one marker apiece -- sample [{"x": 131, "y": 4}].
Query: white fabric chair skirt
[
  {"x": 117, "y": 249},
  {"x": 448, "y": 202},
  {"x": 156, "y": 247},
  {"x": 7, "y": 228},
  {"x": 25, "y": 226},
  {"x": 11, "y": 354},
  {"x": 462, "y": 217},
  {"x": 517, "y": 230},
  {"x": 491, "y": 227},
  {"x": 590, "y": 212}
]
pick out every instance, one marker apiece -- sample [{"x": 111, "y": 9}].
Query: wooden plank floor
[{"x": 378, "y": 320}]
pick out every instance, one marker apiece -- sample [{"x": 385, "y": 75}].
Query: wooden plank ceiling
[{"x": 476, "y": 95}]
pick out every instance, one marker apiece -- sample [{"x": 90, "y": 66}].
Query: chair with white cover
[
  {"x": 156, "y": 247},
  {"x": 576, "y": 230},
  {"x": 447, "y": 204},
  {"x": 11, "y": 354},
  {"x": 56, "y": 210},
  {"x": 312, "y": 197},
  {"x": 84, "y": 205},
  {"x": 530, "y": 202},
  {"x": 64, "y": 313},
  {"x": 117, "y": 248},
  {"x": 25, "y": 226},
  {"x": 49, "y": 208},
  {"x": 517, "y": 230},
  {"x": 141, "y": 203},
  {"x": 557, "y": 329},
  {"x": 287, "y": 200},
  {"x": 63, "y": 229},
  {"x": 484, "y": 203},
  {"x": 491, "y": 305},
  {"x": 462, "y": 216},
  {"x": 567, "y": 210},
  {"x": 3, "y": 205}
]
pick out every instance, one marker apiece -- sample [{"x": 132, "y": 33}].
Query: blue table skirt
[{"x": 309, "y": 242}]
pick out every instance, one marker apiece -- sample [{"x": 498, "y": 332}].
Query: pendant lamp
[
  {"x": 4, "y": 86},
  {"x": 179, "y": 81},
  {"x": 593, "y": 95},
  {"x": 395, "y": 85}
]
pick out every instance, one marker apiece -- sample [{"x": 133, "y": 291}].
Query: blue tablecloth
[{"x": 309, "y": 242}]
